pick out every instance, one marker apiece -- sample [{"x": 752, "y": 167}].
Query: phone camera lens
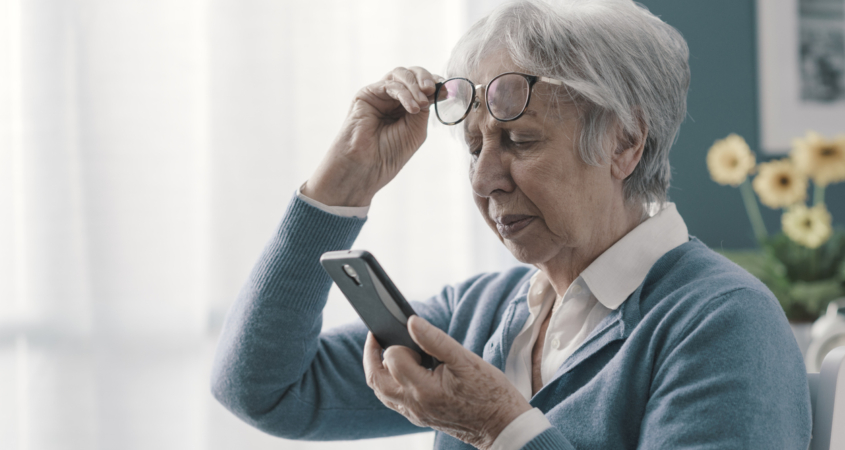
[{"x": 351, "y": 273}]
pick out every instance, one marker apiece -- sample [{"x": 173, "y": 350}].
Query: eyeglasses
[{"x": 507, "y": 95}]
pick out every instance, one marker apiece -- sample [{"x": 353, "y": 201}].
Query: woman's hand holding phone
[{"x": 465, "y": 396}]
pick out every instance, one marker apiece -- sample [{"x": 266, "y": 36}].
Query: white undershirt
[{"x": 601, "y": 288}]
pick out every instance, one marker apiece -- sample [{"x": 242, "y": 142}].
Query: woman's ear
[{"x": 629, "y": 151}]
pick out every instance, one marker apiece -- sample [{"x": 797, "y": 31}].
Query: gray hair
[{"x": 619, "y": 61}]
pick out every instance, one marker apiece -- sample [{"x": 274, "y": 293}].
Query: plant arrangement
[{"x": 802, "y": 264}]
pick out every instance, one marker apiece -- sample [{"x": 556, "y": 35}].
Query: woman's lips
[{"x": 512, "y": 224}]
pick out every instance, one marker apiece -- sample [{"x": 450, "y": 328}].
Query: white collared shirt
[
  {"x": 601, "y": 288},
  {"x": 574, "y": 315}
]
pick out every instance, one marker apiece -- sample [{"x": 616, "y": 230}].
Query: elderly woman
[{"x": 627, "y": 333}]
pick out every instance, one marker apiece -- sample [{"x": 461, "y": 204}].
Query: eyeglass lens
[
  {"x": 507, "y": 97},
  {"x": 453, "y": 100}
]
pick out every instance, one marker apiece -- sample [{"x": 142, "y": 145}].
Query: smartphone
[{"x": 375, "y": 298}]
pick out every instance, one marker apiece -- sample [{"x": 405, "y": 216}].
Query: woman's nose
[{"x": 490, "y": 173}]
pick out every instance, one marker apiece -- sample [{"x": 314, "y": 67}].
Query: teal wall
[{"x": 722, "y": 100}]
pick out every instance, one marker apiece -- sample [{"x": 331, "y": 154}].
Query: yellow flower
[
  {"x": 821, "y": 159},
  {"x": 730, "y": 160},
  {"x": 810, "y": 227},
  {"x": 779, "y": 184}
]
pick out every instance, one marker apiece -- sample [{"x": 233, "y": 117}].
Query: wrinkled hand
[
  {"x": 465, "y": 396},
  {"x": 385, "y": 126}
]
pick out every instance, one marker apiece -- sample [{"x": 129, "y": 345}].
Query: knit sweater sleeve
[{"x": 274, "y": 369}]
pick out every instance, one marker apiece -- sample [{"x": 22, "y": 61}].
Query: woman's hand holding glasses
[{"x": 385, "y": 126}]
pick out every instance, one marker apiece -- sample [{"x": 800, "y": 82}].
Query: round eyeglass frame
[{"x": 531, "y": 79}]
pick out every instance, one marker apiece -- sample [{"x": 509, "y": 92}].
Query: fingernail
[{"x": 428, "y": 83}]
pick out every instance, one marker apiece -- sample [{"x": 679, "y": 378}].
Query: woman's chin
[{"x": 528, "y": 252}]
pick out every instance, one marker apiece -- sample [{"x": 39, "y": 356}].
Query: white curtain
[{"x": 147, "y": 152}]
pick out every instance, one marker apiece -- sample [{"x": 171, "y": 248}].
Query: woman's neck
[{"x": 567, "y": 265}]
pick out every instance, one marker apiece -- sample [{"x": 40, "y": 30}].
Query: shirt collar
[
  {"x": 541, "y": 291},
  {"x": 617, "y": 272}
]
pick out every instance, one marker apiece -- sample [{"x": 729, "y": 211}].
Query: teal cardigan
[{"x": 699, "y": 356}]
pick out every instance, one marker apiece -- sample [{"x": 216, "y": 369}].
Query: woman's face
[{"x": 528, "y": 179}]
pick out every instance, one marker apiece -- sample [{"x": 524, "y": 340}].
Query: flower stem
[
  {"x": 753, "y": 211},
  {"x": 818, "y": 194}
]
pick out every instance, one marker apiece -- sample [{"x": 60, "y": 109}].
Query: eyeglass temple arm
[{"x": 551, "y": 81}]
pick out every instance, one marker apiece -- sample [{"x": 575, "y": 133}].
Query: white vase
[{"x": 802, "y": 332}]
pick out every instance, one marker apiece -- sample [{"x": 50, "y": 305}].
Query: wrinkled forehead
[{"x": 491, "y": 65}]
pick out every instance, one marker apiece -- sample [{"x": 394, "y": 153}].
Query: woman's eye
[
  {"x": 522, "y": 144},
  {"x": 474, "y": 148},
  {"x": 517, "y": 140}
]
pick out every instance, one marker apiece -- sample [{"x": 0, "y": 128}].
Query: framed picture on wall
[{"x": 801, "y": 70}]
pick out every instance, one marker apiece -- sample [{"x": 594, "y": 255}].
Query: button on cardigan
[{"x": 700, "y": 355}]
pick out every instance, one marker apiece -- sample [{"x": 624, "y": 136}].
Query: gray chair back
[{"x": 827, "y": 394}]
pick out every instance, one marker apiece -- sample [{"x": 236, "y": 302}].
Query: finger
[
  {"x": 378, "y": 377},
  {"x": 426, "y": 79},
  {"x": 372, "y": 358},
  {"x": 401, "y": 348},
  {"x": 435, "y": 342},
  {"x": 436, "y": 79},
  {"x": 400, "y": 92},
  {"x": 404, "y": 365},
  {"x": 409, "y": 79}
]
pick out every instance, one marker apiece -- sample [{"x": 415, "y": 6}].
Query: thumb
[{"x": 435, "y": 342}]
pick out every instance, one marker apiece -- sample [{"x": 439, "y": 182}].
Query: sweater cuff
[
  {"x": 521, "y": 430},
  {"x": 551, "y": 439}
]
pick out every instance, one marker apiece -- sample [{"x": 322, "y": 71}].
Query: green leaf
[
  {"x": 801, "y": 300},
  {"x": 806, "y": 264},
  {"x": 815, "y": 295}
]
